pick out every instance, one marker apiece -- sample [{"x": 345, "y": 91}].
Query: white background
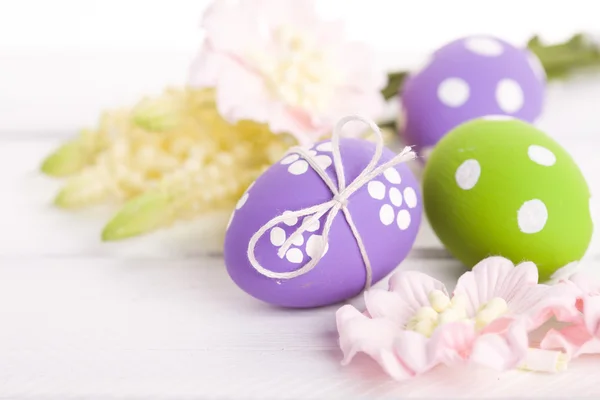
[
  {"x": 62, "y": 61},
  {"x": 153, "y": 318}
]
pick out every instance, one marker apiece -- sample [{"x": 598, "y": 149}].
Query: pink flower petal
[
  {"x": 575, "y": 340},
  {"x": 528, "y": 297},
  {"x": 498, "y": 326},
  {"x": 558, "y": 301},
  {"x": 374, "y": 337},
  {"x": 296, "y": 121},
  {"x": 204, "y": 71},
  {"x": 301, "y": 15},
  {"x": 586, "y": 282},
  {"x": 390, "y": 305},
  {"x": 414, "y": 352},
  {"x": 496, "y": 277},
  {"x": 451, "y": 343},
  {"x": 502, "y": 351},
  {"x": 330, "y": 34},
  {"x": 414, "y": 288},
  {"x": 591, "y": 314},
  {"x": 247, "y": 101},
  {"x": 234, "y": 26}
]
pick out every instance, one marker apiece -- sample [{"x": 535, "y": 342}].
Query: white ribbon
[{"x": 341, "y": 194}]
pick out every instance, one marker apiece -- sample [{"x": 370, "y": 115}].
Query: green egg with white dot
[{"x": 500, "y": 186}]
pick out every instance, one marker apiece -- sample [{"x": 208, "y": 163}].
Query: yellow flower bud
[
  {"x": 449, "y": 315},
  {"x": 425, "y": 327},
  {"x": 427, "y": 313},
  {"x": 438, "y": 300}
]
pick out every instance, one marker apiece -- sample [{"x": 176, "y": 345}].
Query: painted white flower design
[
  {"x": 305, "y": 245},
  {"x": 298, "y": 165},
  {"x": 393, "y": 199}
]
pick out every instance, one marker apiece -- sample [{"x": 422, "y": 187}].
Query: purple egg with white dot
[
  {"x": 470, "y": 78},
  {"x": 386, "y": 212}
]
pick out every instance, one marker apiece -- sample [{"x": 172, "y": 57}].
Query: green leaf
[
  {"x": 67, "y": 160},
  {"x": 559, "y": 60},
  {"x": 140, "y": 215},
  {"x": 83, "y": 189}
]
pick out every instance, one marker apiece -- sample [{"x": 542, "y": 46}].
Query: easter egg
[
  {"x": 469, "y": 78},
  {"x": 386, "y": 212},
  {"x": 502, "y": 187}
]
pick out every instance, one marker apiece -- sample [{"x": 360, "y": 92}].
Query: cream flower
[
  {"x": 278, "y": 62},
  {"x": 416, "y": 325},
  {"x": 170, "y": 158}
]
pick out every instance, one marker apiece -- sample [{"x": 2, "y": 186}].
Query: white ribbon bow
[{"x": 341, "y": 194}]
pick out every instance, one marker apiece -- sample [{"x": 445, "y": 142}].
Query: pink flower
[
  {"x": 582, "y": 313},
  {"x": 416, "y": 325},
  {"x": 278, "y": 62}
]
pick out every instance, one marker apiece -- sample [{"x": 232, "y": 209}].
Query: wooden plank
[{"x": 105, "y": 328}]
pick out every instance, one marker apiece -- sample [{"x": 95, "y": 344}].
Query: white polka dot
[
  {"x": 536, "y": 66},
  {"x": 541, "y": 155},
  {"x": 395, "y": 197},
  {"x": 453, "y": 92},
  {"x": 403, "y": 219},
  {"x": 324, "y": 161},
  {"x": 498, "y": 118},
  {"x": 290, "y": 159},
  {"x": 290, "y": 220},
  {"x": 298, "y": 240},
  {"x": 484, "y": 46},
  {"x": 509, "y": 96},
  {"x": 312, "y": 227},
  {"x": 410, "y": 197},
  {"x": 312, "y": 152},
  {"x": 386, "y": 214},
  {"x": 532, "y": 216},
  {"x": 325, "y": 146},
  {"x": 242, "y": 201},
  {"x": 313, "y": 245},
  {"x": 294, "y": 256},
  {"x": 392, "y": 175},
  {"x": 298, "y": 168},
  {"x": 467, "y": 174},
  {"x": 277, "y": 236},
  {"x": 376, "y": 190}
]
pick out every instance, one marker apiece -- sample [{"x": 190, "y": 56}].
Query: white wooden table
[{"x": 155, "y": 318}]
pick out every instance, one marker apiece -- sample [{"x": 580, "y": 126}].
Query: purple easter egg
[
  {"x": 470, "y": 78},
  {"x": 386, "y": 212}
]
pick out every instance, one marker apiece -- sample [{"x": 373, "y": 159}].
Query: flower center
[
  {"x": 298, "y": 71},
  {"x": 444, "y": 309}
]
